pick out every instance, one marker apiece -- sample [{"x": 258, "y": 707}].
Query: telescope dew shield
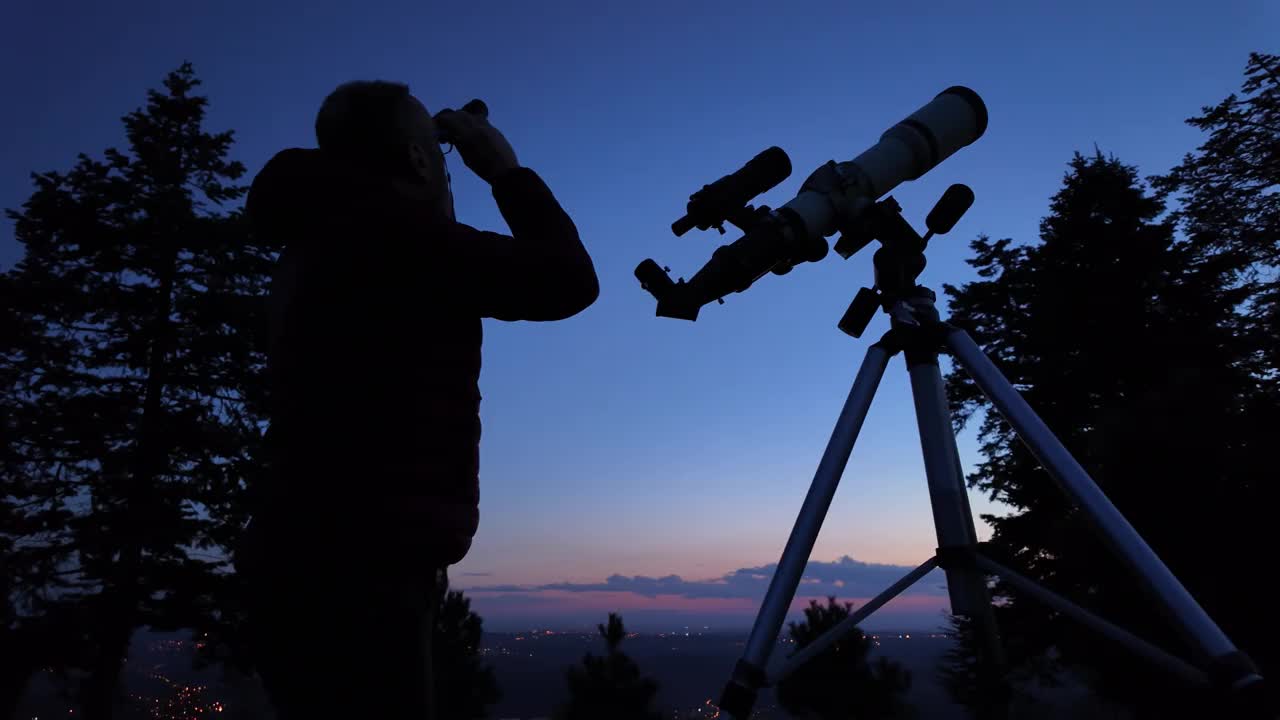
[
  {"x": 953, "y": 119},
  {"x": 913, "y": 147}
]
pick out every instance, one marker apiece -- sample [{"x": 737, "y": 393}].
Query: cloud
[
  {"x": 845, "y": 577},
  {"x": 475, "y": 574}
]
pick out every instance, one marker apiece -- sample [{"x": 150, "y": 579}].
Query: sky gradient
[{"x": 617, "y": 443}]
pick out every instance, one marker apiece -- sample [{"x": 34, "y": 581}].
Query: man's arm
[{"x": 540, "y": 272}]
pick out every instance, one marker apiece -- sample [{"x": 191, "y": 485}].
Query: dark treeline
[
  {"x": 1143, "y": 326},
  {"x": 843, "y": 681}
]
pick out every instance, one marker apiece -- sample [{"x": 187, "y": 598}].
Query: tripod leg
[
  {"x": 749, "y": 675},
  {"x": 1154, "y": 576},
  {"x": 952, "y": 517}
]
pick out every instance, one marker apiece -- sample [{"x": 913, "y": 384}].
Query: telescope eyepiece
[{"x": 653, "y": 277}]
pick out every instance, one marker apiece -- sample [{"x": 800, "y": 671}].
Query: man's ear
[{"x": 419, "y": 162}]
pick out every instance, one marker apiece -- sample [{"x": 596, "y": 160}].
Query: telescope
[
  {"x": 837, "y": 197},
  {"x": 847, "y": 198}
]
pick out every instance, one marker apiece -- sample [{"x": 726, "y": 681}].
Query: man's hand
[{"x": 482, "y": 147}]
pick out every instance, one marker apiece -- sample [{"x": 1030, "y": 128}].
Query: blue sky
[{"x": 617, "y": 442}]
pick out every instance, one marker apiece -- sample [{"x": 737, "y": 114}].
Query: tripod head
[{"x": 900, "y": 259}]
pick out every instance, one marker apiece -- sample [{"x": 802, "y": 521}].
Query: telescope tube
[
  {"x": 832, "y": 197},
  {"x": 906, "y": 151}
]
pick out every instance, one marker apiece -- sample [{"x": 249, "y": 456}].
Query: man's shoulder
[{"x": 293, "y": 166}]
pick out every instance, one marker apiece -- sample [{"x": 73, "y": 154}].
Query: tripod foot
[{"x": 1245, "y": 689}]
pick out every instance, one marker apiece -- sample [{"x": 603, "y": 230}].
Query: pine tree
[
  {"x": 978, "y": 687},
  {"x": 1126, "y": 349},
  {"x": 1230, "y": 208},
  {"x": 1228, "y": 194},
  {"x": 609, "y": 686},
  {"x": 842, "y": 683},
  {"x": 137, "y": 377},
  {"x": 36, "y": 622},
  {"x": 465, "y": 685}
]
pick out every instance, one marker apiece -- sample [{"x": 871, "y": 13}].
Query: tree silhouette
[
  {"x": 842, "y": 683},
  {"x": 1230, "y": 211},
  {"x": 465, "y": 685},
  {"x": 132, "y": 393},
  {"x": 1124, "y": 344},
  {"x": 35, "y": 545},
  {"x": 1229, "y": 215},
  {"x": 974, "y": 684},
  {"x": 609, "y": 686}
]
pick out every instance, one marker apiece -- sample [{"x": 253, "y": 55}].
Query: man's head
[{"x": 380, "y": 127}]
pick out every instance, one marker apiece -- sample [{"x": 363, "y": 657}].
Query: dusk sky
[{"x": 616, "y": 443}]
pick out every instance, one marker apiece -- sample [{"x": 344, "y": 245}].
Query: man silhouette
[{"x": 376, "y": 310}]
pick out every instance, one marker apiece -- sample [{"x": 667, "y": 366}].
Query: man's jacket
[{"x": 375, "y": 340}]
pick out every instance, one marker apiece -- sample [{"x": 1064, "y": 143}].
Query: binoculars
[{"x": 475, "y": 107}]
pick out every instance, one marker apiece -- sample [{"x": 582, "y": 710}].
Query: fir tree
[{"x": 137, "y": 381}]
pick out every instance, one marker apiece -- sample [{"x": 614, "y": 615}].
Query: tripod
[{"x": 919, "y": 334}]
